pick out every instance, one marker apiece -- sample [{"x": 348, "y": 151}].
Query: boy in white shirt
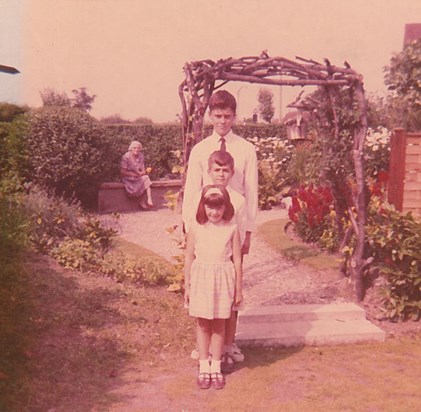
[{"x": 222, "y": 107}]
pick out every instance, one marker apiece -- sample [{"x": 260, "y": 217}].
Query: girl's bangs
[{"x": 214, "y": 200}]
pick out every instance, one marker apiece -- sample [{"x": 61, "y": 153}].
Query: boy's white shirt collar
[{"x": 229, "y": 136}]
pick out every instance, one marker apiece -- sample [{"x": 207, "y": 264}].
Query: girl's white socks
[
  {"x": 215, "y": 366},
  {"x": 204, "y": 366}
]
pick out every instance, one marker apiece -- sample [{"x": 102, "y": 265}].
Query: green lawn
[{"x": 274, "y": 235}]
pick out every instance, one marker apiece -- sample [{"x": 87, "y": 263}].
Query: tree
[
  {"x": 143, "y": 120},
  {"x": 403, "y": 80},
  {"x": 9, "y": 111},
  {"x": 82, "y": 100},
  {"x": 51, "y": 97},
  {"x": 114, "y": 119},
  {"x": 266, "y": 108}
]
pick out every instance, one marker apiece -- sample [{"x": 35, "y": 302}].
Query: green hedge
[
  {"x": 69, "y": 152},
  {"x": 159, "y": 144},
  {"x": 72, "y": 153},
  {"x": 160, "y": 141}
]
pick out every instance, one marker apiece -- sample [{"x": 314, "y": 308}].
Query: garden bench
[{"x": 112, "y": 196}]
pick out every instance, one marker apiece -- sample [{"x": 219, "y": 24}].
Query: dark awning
[{"x": 8, "y": 69}]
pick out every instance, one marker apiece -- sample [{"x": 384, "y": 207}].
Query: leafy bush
[
  {"x": 78, "y": 254},
  {"x": 176, "y": 278},
  {"x": 402, "y": 78},
  {"x": 79, "y": 241},
  {"x": 273, "y": 155},
  {"x": 270, "y": 184},
  {"x": 377, "y": 152},
  {"x": 52, "y": 219},
  {"x": 69, "y": 152},
  {"x": 394, "y": 240},
  {"x": 13, "y": 153}
]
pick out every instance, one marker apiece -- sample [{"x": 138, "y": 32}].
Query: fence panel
[{"x": 405, "y": 172}]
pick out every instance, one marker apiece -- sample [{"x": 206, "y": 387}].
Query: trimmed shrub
[
  {"x": 248, "y": 131},
  {"x": 69, "y": 152}
]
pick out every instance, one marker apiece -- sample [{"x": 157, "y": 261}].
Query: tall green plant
[
  {"x": 13, "y": 152},
  {"x": 304, "y": 165}
]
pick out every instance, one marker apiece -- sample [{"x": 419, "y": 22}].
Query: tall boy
[{"x": 222, "y": 112}]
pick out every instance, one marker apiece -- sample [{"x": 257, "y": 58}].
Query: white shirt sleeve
[
  {"x": 191, "y": 216},
  {"x": 241, "y": 217},
  {"x": 193, "y": 186},
  {"x": 251, "y": 189}
]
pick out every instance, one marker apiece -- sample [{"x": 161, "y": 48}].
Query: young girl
[{"x": 213, "y": 278}]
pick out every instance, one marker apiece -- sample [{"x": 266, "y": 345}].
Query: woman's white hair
[{"x": 134, "y": 144}]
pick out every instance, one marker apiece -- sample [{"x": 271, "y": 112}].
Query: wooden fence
[{"x": 405, "y": 172}]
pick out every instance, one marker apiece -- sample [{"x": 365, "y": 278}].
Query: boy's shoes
[
  {"x": 204, "y": 380},
  {"x": 218, "y": 380},
  {"x": 236, "y": 354},
  {"x": 227, "y": 364}
]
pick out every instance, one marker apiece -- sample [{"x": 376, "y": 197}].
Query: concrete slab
[
  {"x": 290, "y": 313},
  {"x": 308, "y": 332},
  {"x": 298, "y": 325}
]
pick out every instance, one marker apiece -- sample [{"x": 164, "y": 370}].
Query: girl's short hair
[{"x": 214, "y": 196}]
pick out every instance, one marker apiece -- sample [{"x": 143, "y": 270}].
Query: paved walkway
[{"x": 267, "y": 274}]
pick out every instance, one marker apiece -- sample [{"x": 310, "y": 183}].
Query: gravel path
[{"x": 267, "y": 275}]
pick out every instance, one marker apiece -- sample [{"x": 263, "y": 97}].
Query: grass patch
[
  {"x": 83, "y": 336},
  {"x": 358, "y": 377},
  {"x": 138, "y": 252},
  {"x": 274, "y": 235}
]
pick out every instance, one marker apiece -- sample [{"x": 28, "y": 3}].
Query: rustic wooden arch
[{"x": 203, "y": 77}]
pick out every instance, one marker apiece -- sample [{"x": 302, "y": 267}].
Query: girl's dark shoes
[
  {"x": 218, "y": 380},
  {"x": 204, "y": 380}
]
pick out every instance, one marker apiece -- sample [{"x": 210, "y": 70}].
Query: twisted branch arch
[{"x": 203, "y": 77}]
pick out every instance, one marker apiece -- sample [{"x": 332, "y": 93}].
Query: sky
[{"x": 130, "y": 53}]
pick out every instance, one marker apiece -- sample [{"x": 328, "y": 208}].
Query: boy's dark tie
[{"x": 223, "y": 145}]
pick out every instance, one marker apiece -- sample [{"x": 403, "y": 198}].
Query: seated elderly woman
[{"x": 134, "y": 175}]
